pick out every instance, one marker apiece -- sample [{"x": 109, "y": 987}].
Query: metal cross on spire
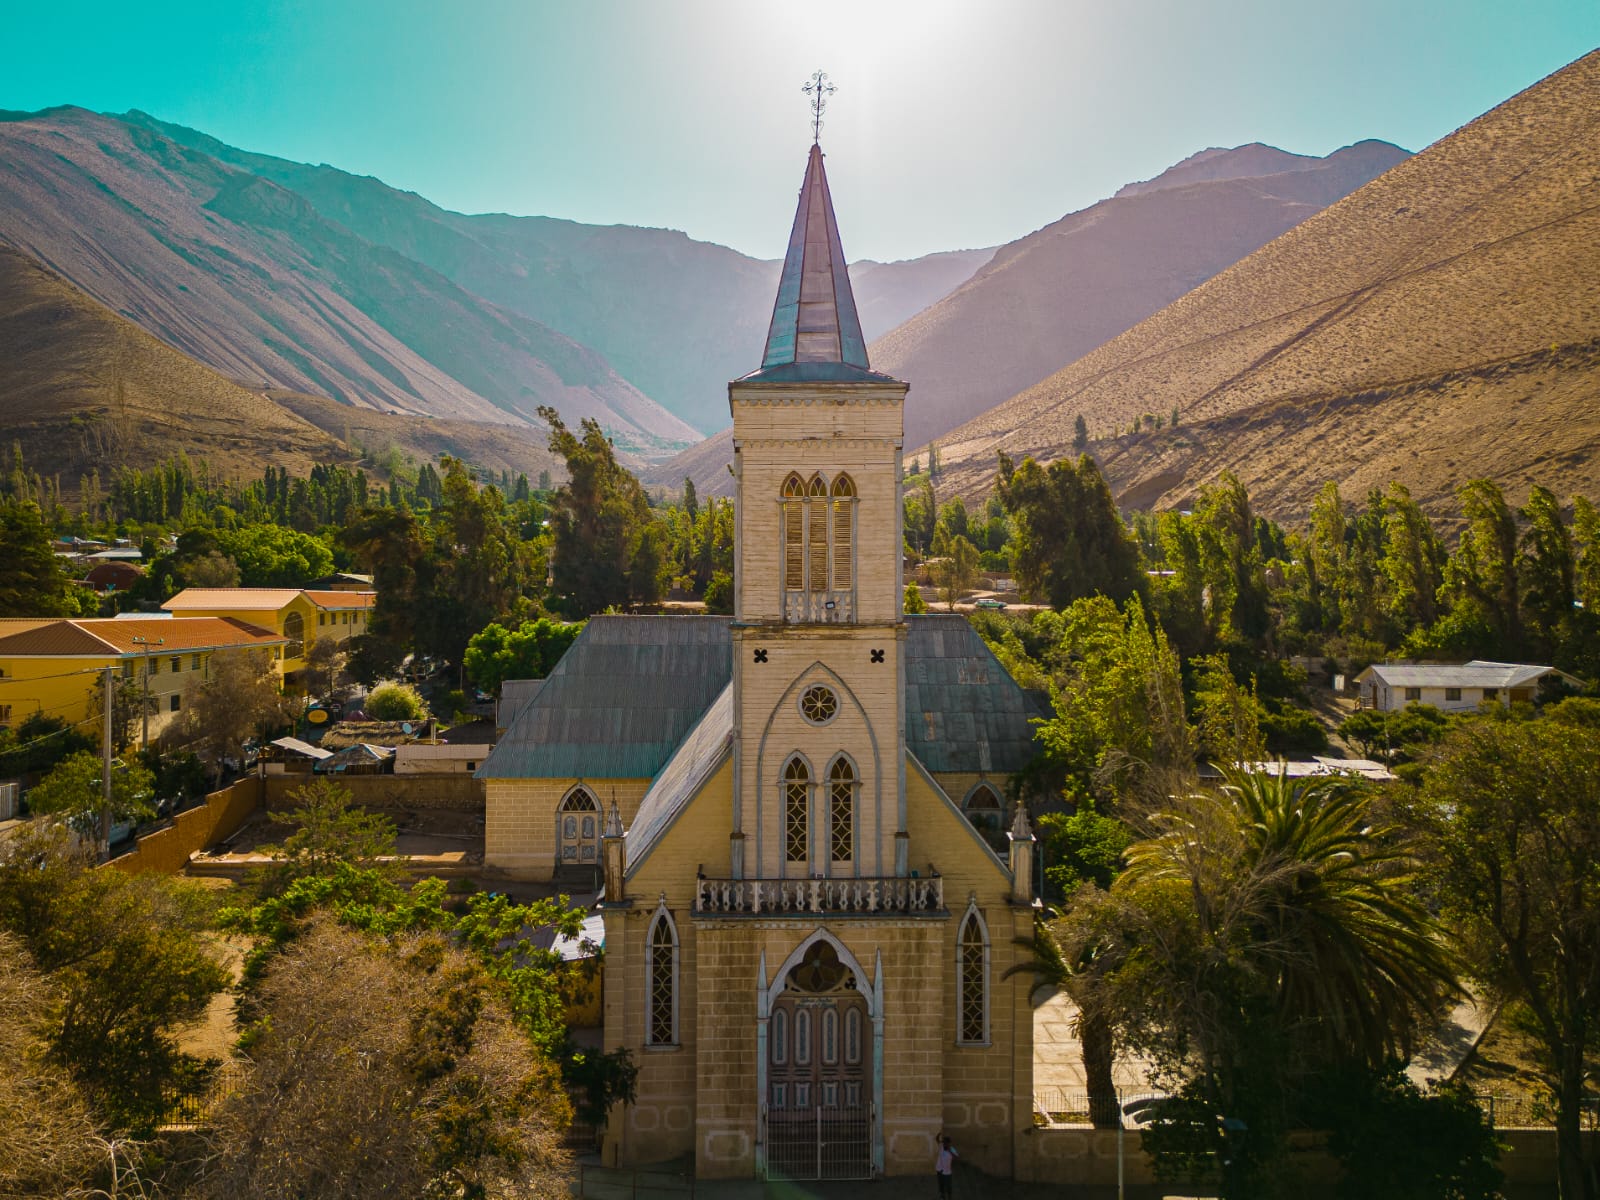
[{"x": 819, "y": 89}]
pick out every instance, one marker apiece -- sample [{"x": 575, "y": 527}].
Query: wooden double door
[{"x": 819, "y": 1073}]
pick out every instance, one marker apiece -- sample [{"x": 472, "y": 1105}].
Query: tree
[
  {"x": 1547, "y": 572},
  {"x": 1080, "y": 433},
  {"x": 955, "y": 566},
  {"x": 214, "y": 570},
  {"x": 395, "y": 701},
  {"x": 1513, "y": 809},
  {"x": 1069, "y": 539},
  {"x": 328, "y": 832},
  {"x": 719, "y": 593},
  {"x": 238, "y": 700},
  {"x": 273, "y": 556},
  {"x": 1267, "y": 932},
  {"x": 1230, "y": 559},
  {"x": 39, "y": 742},
  {"x": 598, "y": 520},
  {"x": 915, "y": 605},
  {"x": 1483, "y": 572},
  {"x": 74, "y": 792},
  {"x": 387, "y": 1067},
  {"x": 33, "y": 583},
  {"x": 126, "y": 955},
  {"x": 529, "y": 651},
  {"x": 1227, "y": 714},
  {"x": 50, "y": 1145},
  {"x": 129, "y": 705},
  {"x": 325, "y": 664}
]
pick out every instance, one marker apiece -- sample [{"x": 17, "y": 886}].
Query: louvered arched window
[
  {"x": 844, "y": 533},
  {"x": 817, "y": 534},
  {"x": 972, "y": 972},
  {"x": 661, "y": 980},
  {"x": 796, "y": 810},
  {"x": 794, "y": 534},
  {"x": 842, "y": 810}
]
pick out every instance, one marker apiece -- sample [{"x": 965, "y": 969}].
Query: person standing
[{"x": 944, "y": 1166}]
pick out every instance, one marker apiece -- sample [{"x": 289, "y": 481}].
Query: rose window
[{"x": 818, "y": 705}]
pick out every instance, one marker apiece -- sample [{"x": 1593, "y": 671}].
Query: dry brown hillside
[
  {"x": 84, "y": 389},
  {"x": 1439, "y": 324},
  {"x": 1053, "y": 296}
]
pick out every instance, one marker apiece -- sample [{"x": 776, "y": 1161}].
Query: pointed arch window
[
  {"x": 794, "y": 534},
  {"x": 578, "y": 827},
  {"x": 796, "y": 810},
  {"x": 986, "y": 814},
  {"x": 842, "y": 810},
  {"x": 661, "y": 980},
  {"x": 972, "y": 975},
  {"x": 844, "y": 533}
]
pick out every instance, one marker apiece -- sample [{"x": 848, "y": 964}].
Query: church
[{"x": 812, "y": 889}]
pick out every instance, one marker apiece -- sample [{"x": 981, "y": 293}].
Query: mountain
[
  {"x": 247, "y": 277},
  {"x": 676, "y": 317},
  {"x": 1055, "y": 295},
  {"x": 1438, "y": 325},
  {"x": 83, "y": 389}
]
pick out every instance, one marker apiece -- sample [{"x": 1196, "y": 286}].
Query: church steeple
[{"x": 814, "y": 319}]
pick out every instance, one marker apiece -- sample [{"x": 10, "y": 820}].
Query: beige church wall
[
  {"x": 831, "y": 430},
  {"x": 519, "y": 827},
  {"x": 659, "y": 1126},
  {"x": 772, "y": 727},
  {"x": 988, "y": 1089}
]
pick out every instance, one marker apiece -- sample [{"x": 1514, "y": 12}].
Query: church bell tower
[{"x": 819, "y": 631}]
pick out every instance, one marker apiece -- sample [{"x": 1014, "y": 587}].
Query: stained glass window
[
  {"x": 842, "y": 810},
  {"x": 797, "y": 801},
  {"x": 818, "y": 704}
]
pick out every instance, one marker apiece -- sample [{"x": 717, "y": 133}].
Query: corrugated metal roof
[
  {"x": 619, "y": 702},
  {"x": 963, "y": 711},
  {"x": 624, "y": 697},
  {"x": 701, "y": 753},
  {"x": 1476, "y": 674}
]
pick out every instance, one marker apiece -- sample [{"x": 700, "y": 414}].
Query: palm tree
[{"x": 1298, "y": 909}]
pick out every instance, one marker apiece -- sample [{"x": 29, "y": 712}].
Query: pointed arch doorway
[{"x": 819, "y": 1071}]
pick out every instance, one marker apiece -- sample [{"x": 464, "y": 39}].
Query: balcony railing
[{"x": 757, "y": 897}]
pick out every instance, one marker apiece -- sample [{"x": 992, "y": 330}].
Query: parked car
[{"x": 989, "y": 602}]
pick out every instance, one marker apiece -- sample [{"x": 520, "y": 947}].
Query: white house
[{"x": 1450, "y": 686}]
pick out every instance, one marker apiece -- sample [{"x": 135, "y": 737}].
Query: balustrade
[{"x": 755, "y": 897}]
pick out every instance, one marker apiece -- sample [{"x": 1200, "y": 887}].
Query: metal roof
[
  {"x": 625, "y": 696},
  {"x": 964, "y": 712},
  {"x": 619, "y": 702},
  {"x": 685, "y": 773},
  {"x": 238, "y": 599},
  {"x": 814, "y": 316},
  {"x": 1476, "y": 674}
]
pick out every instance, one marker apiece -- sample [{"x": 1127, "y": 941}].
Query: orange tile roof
[
  {"x": 108, "y": 637},
  {"x": 270, "y": 599},
  {"x": 336, "y": 599}
]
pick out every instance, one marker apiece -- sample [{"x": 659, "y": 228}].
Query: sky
[{"x": 955, "y": 125}]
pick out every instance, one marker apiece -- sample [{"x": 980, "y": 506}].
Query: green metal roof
[
  {"x": 630, "y": 690},
  {"x": 619, "y": 702}
]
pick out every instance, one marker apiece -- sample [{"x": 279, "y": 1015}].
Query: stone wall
[
  {"x": 168, "y": 850},
  {"x": 450, "y": 791}
]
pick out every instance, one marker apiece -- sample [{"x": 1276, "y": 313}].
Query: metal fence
[
  {"x": 1066, "y": 1106},
  {"x": 198, "y": 1109},
  {"x": 1531, "y": 1112}
]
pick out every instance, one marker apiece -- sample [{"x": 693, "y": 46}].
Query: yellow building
[
  {"x": 51, "y": 667},
  {"x": 810, "y": 899},
  {"x": 301, "y": 617}
]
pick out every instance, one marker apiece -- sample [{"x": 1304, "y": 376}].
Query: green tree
[
  {"x": 1513, "y": 809},
  {"x": 33, "y": 583},
  {"x": 38, "y": 742},
  {"x": 1227, "y": 714},
  {"x": 719, "y": 593},
  {"x": 74, "y": 792},
  {"x": 530, "y": 651},
  {"x": 1547, "y": 573},
  {"x": 598, "y": 522},
  {"x": 1230, "y": 559},
  {"x": 1069, "y": 539},
  {"x": 238, "y": 700},
  {"x": 1413, "y": 561},
  {"x": 915, "y": 605},
  {"x": 328, "y": 832},
  {"x": 272, "y": 556},
  {"x": 1080, "y": 433},
  {"x": 1483, "y": 573},
  {"x": 955, "y": 566}
]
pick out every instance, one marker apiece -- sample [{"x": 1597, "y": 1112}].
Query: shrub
[{"x": 394, "y": 701}]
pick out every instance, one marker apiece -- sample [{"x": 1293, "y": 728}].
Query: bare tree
[
  {"x": 239, "y": 699},
  {"x": 387, "y": 1068}
]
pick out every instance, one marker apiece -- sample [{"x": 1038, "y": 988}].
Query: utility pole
[
  {"x": 105, "y": 765},
  {"x": 144, "y": 680}
]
